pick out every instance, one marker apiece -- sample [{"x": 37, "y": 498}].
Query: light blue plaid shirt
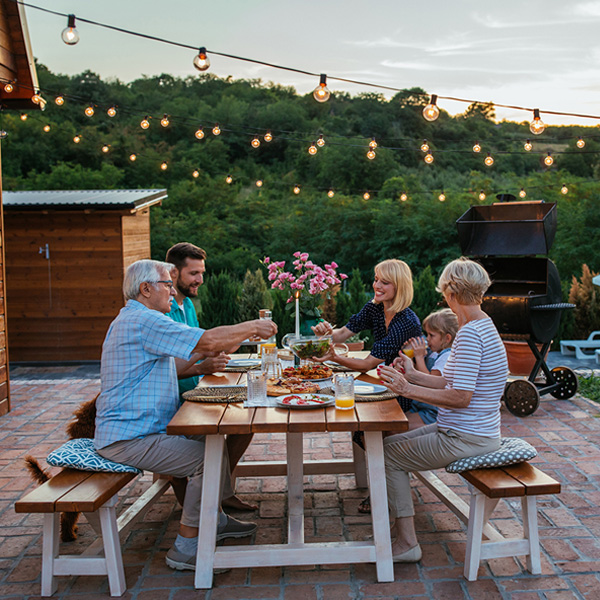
[{"x": 139, "y": 381}]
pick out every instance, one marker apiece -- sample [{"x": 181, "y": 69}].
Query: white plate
[
  {"x": 244, "y": 362},
  {"x": 328, "y": 401},
  {"x": 365, "y": 389}
]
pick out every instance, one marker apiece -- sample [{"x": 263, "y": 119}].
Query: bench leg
[
  {"x": 474, "y": 535},
  {"x": 50, "y": 543},
  {"x": 112, "y": 548},
  {"x": 94, "y": 520},
  {"x": 530, "y": 530}
]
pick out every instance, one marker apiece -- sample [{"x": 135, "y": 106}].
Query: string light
[
  {"x": 106, "y": 148},
  {"x": 528, "y": 146},
  {"x": 9, "y": 87},
  {"x": 112, "y": 111},
  {"x": 321, "y": 93},
  {"x": 133, "y": 157},
  {"x": 428, "y": 158},
  {"x": 580, "y": 143},
  {"x": 201, "y": 61},
  {"x": 23, "y": 116},
  {"x": 489, "y": 160},
  {"x": 366, "y": 195},
  {"x": 476, "y": 147},
  {"x": 268, "y": 137},
  {"x": 199, "y": 133},
  {"x": 164, "y": 165},
  {"x": 537, "y": 126},
  {"x": 442, "y": 197},
  {"x": 165, "y": 121},
  {"x": 77, "y": 139},
  {"x": 46, "y": 128},
  {"x": 259, "y": 183},
  {"x": 255, "y": 143},
  {"x": 312, "y": 150},
  {"x": 425, "y": 146},
  {"x": 296, "y": 189},
  {"x": 481, "y": 195},
  {"x": 371, "y": 154},
  {"x": 330, "y": 193},
  {"x": 89, "y": 111},
  {"x": 36, "y": 98},
  {"x": 228, "y": 179},
  {"x": 564, "y": 189},
  {"x": 145, "y": 123},
  {"x": 403, "y": 197},
  {"x": 431, "y": 112},
  {"x": 216, "y": 129},
  {"x": 59, "y": 100},
  {"x": 321, "y": 141},
  {"x": 548, "y": 160},
  {"x": 70, "y": 35},
  {"x": 3, "y": 134},
  {"x": 195, "y": 174},
  {"x": 522, "y": 193}
]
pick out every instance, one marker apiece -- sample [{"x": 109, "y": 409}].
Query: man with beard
[{"x": 188, "y": 276}]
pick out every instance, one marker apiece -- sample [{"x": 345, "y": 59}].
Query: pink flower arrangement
[{"x": 307, "y": 279}]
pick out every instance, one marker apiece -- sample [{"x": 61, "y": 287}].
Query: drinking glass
[
  {"x": 269, "y": 362},
  {"x": 257, "y": 388},
  {"x": 344, "y": 391}
]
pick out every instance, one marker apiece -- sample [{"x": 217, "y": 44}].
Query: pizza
[
  {"x": 309, "y": 372},
  {"x": 280, "y": 386}
]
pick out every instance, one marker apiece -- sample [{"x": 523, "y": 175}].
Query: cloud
[{"x": 587, "y": 9}]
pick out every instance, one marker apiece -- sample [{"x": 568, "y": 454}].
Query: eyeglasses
[{"x": 169, "y": 283}]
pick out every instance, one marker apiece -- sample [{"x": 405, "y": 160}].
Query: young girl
[{"x": 440, "y": 327}]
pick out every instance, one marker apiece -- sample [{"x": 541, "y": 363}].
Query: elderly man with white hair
[{"x": 139, "y": 394}]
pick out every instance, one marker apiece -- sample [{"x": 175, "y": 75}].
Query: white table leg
[
  {"x": 295, "y": 481},
  {"x": 209, "y": 511},
  {"x": 379, "y": 506}
]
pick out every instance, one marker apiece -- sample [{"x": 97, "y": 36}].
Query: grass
[{"x": 590, "y": 387}]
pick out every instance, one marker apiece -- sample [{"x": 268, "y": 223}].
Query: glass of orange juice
[
  {"x": 408, "y": 350},
  {"x": 344, "y": 391}
]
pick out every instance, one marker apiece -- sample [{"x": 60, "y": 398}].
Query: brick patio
[{"x": 566, "y": 434}]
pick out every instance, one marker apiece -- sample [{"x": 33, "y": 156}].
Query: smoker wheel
[
  {"x": 569, "y": 383},
  {"x": 521, "y": 397}
]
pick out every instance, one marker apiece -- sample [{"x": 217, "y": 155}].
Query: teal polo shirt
[{"x": 189, "y": 317}]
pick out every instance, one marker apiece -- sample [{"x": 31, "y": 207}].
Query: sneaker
[
  {"x": 235, "y": 529},
  {"x": 185, "y": 562}
]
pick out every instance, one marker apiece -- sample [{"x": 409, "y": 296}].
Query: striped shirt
[
  {"x": 139, "y": 394},
  {"x": 477, "y": 364}
]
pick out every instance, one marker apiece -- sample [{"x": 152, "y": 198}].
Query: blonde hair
[
  {"x": 399, "y": 274},
  {"x": 466, "y": 279},
  {"x": 443, "y": 321}
]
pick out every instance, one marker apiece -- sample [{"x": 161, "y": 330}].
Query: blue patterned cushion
[
  {"x": 511, "y": 452},
  {"x": 80, "y": 454}
]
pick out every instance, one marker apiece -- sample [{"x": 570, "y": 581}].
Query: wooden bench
[
  {"x": 487, "y": 487},
  {"x": 96, "y": 496}
]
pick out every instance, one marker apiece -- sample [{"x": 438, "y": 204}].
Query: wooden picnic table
[{"x": 217, "y": 420}]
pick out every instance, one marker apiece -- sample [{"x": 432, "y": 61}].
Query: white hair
[{"x": 150, "y": 271}]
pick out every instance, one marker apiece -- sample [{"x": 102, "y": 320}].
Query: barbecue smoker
[{"x": 524, "y": 300}]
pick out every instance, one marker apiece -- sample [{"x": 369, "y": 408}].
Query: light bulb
[
  {"x": 9, "y": 87},
  {"x": 537, "y": 126},
  {"x": 255, "y": 143},
  {"x": 296, "y": 189},
  {"x": 133, "y": 157},
  {"x": 89, "y": 111},
  {"x": 428, "y": 158},
  {"x": 442, "y": 197},
  {"x": 528, "y": 146},
  {"x": 548, "y": 160},
  {"x": 259, "y": 183},
  {"x": 403, "y": 197},
  {"x": 165, "y": 121},
  {"x": 431, "y": 112},
  {"x": 522, "y": 193},
  {"x": 425, "y": 146},
  {"x": 313, "y": 149},
  {"x": 164, "y": 166},
  {"x": 216, "y": 129},
  {"x": 112, "y": 111},
  {"x": 3, "y": 134},
  {"x": 228, "y": 179},
  {"x": 476, "y": 147},
  {"x": 268, "y": 137},
  {"x": 366, "y": 195},
  {"x": 330, "y": 193},
  {"x": 70, "y": 35},
  {"x": 23, "y": 116},
  {"x": 60, "y": 100},
  {"x": 105, "y": 148},
  {"x": 489, "y": 160},
  {"x": 46, "y": 128},
  {"x": 77, "y": 139},
  {"x": 580, "y": 143},
  {"x": 195, "y": 174},
  {"x": 321, "y": 141},
  {"x": 373, "y": 144},
  {"x": 145, "y": 123},
  {"x": 199, "y": 133},
  {"x": 481, "y": 195},
  {"x": 36, "y": 98},
  {"x": 321, "y": 93},
  {"x": 371, "y": 154},
  {"x": 201, "y": 61},
  {"x": 564, "y": 189}
]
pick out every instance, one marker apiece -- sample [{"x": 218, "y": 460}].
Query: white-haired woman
[{"x": 467, "y": 396}]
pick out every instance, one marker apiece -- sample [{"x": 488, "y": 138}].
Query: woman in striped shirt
[{"x": 467, "y": 396}]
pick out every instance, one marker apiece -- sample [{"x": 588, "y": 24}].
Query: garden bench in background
[{"x": 577, "y": 347}]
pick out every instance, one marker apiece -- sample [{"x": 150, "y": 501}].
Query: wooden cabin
[
  {"x": 66, "y": 252},
  {"x": 18, "y": 82}
]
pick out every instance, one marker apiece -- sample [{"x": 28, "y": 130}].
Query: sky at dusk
[{"x": 516, "y": 52}]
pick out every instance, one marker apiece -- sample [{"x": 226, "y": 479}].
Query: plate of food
[
  {"x": 309, "y": 372},
  {"x": 365, "y": 389},
  {"x": 243, "y": 362},
  {"x": 281, "y": 386},
  {"x": 305, "y": 401}
]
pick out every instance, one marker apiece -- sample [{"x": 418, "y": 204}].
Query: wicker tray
[
  {"x": 218, "y": 394},
  {"x": 367, "y": 398}
]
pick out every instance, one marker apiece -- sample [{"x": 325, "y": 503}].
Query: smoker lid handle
[{"x": 559, "y": 306}]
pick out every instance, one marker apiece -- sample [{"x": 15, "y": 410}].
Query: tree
[
  {"x": 587, "y": 300},
  {"x": 219, "y": 298},
  {"x": 254, "y": 296}
]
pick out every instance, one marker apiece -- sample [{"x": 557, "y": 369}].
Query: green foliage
[
  {"x": 219, "y": 298},
  {"x": 254, "y": 296},
  {"x": 357, "y": 292},
  {"x": 342, "y": 308},
  {"x": 590, "y": 387},
  {"x": 425, "y": 297},
  {"x": 284, "y": 318},
  {"x": 584, "y": 294}
]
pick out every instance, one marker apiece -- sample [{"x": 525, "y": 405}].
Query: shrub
[
  {"x": 255, "y": 295},
  {"x": 219, "y": 298},
  {"x": 587, "y": 300}
]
